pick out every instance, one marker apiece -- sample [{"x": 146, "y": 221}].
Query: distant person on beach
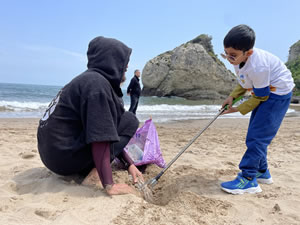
[
  {"x": 271, "y": 84},
  {"x": 85, "y": 126},
  {"x": 134, "y": 90}
]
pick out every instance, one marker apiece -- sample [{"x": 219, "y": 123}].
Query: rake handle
[{"x": 192, "y": 141}]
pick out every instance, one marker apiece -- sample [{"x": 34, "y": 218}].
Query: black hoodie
[
  {"x": 88, "y": 109},
  {"x": 110, "y": 58}
]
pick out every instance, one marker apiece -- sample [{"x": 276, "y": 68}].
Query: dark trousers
[
  {"x": 81, "y": 161},
  {"x": 264, "y": 123},
  {"x": 134, "y": 101}
]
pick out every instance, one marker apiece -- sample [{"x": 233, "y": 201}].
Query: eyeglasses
[{"x": 231, "y": 58}]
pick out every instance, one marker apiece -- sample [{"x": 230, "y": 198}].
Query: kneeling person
[{"x": 85, "y": 126}]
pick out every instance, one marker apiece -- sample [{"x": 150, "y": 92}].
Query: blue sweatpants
[{"x": 264, "y": 123}]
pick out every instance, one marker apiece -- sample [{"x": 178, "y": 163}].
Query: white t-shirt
[{"x": 263, "y": 69}]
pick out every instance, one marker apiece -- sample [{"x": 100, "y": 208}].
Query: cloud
[
  {"x": 31, "y": 63},
  {"x": 54, "y": 50}
]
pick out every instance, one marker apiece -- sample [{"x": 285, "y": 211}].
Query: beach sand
[{"x": 188, "y": 193}]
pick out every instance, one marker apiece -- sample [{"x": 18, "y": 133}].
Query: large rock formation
[
  {"x": 294, "y": 52},
  {"x": 191, "y": 70},
  {"x": 293, "y": 64}
]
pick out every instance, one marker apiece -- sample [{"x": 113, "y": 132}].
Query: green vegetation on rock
[
  {"x": 205, "y": 41},
  {"x": 294, "y": 67}
]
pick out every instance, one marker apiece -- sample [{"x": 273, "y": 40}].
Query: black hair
[{"x": 241, "y": 37}]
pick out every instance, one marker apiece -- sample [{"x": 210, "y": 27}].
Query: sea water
[{"x": 30, "y": 101}]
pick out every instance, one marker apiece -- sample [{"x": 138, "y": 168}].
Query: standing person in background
[{"x": 134, "y": 90}]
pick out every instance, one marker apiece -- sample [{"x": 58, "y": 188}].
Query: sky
[{"x": 45, "y": 42}]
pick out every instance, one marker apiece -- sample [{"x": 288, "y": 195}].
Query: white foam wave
[
  {"x": 23, "y": 106},
  {"x": 165, "y": 113},
  {"x": 178, "y": 108},
  {"x": 159, "y": 113}
]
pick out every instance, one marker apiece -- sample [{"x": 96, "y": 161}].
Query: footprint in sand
[
  {"x": 27, "y": 155},
  {"x": 47, "y": 214},
  {"x": 276, "y": 209},
  {"x": 65, "y": 199},
  {"x": 15, "y": 199},
  {"x": 43, "y": 213},
  {"x": 4, "y": 208},
  {"x": 10, "y": 186}
]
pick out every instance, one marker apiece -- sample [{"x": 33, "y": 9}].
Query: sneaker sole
[
  {"x": 252, "y": 190},
  {"x": 265, "y": 181}
]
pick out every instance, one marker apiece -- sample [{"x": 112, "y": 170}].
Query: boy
[{"x": 271, "y": 84}]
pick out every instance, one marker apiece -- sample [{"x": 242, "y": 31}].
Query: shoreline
[
  {"x": 295, "y": 106},
  {"x": 144, "y": 116},
  {"x": 163, "y": 114}
]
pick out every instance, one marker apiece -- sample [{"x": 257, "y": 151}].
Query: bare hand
[
  {"x": 128, "y": 94},
  {"x": 120, "y": 189},
  {"x": 230, "y": 110},
  {"x": 135, "y": 173},
  {"x": 228, "y": 101}
]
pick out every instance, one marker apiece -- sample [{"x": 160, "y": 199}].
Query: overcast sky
[{"x": 45, "y": 42}]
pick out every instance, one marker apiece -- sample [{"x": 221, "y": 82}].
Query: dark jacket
[
  {"x": 86, "y": 110},
  {"x": 134, "y": 87}
]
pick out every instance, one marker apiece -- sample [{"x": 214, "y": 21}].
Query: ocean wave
[
  {"x": 165, "y": 113},
  {"x": 159, "y": 112},
  {"x": 177, "y": 108},
  {"x": 16, "y": 106}
]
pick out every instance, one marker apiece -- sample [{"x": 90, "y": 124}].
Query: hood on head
[{"x": 110, "y": 58}]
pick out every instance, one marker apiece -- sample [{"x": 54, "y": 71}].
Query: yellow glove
[{"x": 238, "y": 91}]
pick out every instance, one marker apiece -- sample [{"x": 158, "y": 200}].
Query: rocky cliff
[
  {"x": 293, "y": 64},
  {"x": 294, "y": 52},
  {"x": 191, "y": 70}
]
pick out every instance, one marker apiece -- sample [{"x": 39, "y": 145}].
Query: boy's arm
[
  {"x": 251, "y": 104},
  {"x": 238, "y": 91},
  {"x": 259, "y": 95}
]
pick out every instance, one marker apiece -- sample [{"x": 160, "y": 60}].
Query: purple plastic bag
[{"x": 144, "y": 147}]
